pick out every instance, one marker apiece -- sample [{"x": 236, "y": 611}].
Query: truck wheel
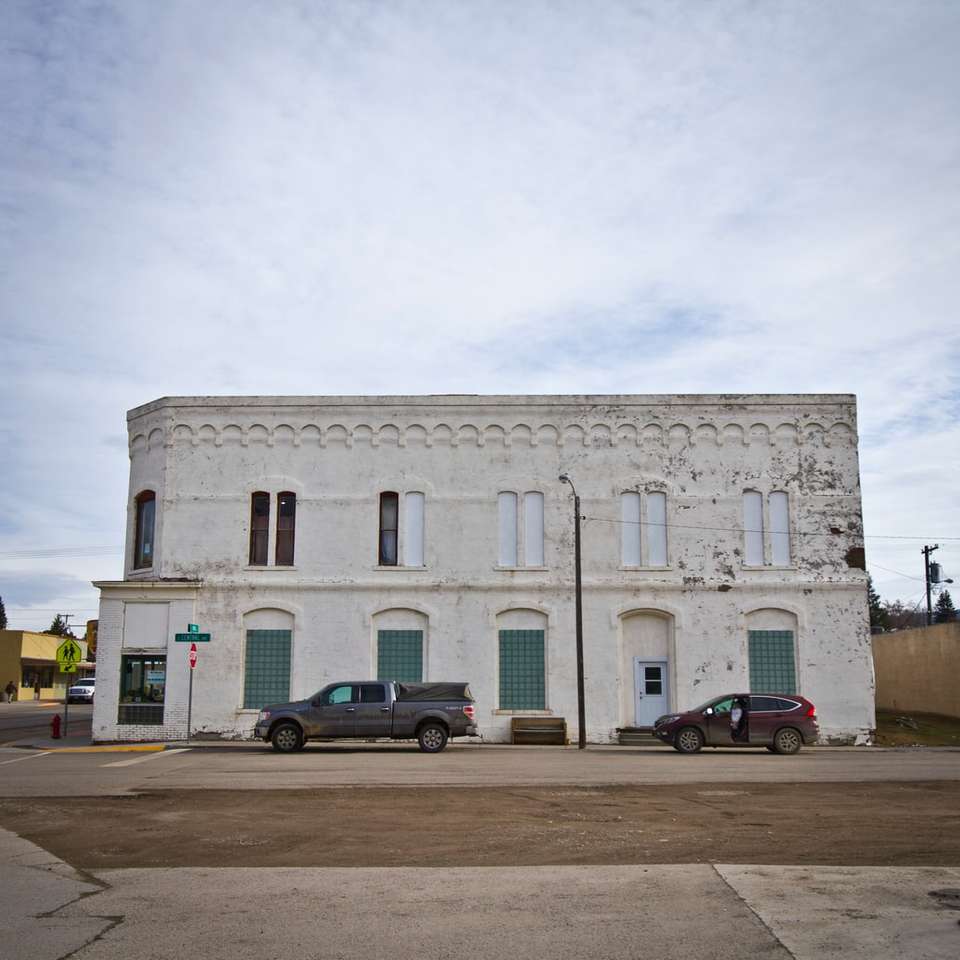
[
  {"x": 432, "y": 737},
  {"x": 287, "y": 738}
]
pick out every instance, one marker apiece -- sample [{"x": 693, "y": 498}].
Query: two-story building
[{"x": 325, "y": 538}]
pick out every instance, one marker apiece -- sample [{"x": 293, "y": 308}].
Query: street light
[{"x": 581, "y": 712}]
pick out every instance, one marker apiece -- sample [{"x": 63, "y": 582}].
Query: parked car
[
  {"x": 82, "y": 691},
  {"x": 430, "y": 713},
  {"x": 780, "y": 722}
]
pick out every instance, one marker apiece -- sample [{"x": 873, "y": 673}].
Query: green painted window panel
[
  {"x": 266, "y": 677},
  {"x": 400, "y": 655},
  {"x": 522, "y": 670},
  {"x": 772, "y": 661}
]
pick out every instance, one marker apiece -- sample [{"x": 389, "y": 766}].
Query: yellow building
[{"x": 26, "y": 656}]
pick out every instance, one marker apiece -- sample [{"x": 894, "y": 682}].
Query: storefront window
[
  {"x": 143, "y": 682},
  {"x": 143, "y": 679},
  {"x": 33, "y": 672}
]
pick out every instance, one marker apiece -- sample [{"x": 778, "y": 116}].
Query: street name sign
[{"x": 192, "y": 637}]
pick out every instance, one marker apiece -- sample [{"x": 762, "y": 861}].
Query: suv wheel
[
  {"x": 787, "y": 740},
  {"x": 689, "y": 740},
  {"x": 287, "y": 738},
  {"x": 432, "y": 738}
]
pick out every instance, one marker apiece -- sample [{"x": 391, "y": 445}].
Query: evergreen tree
[
  {"x": 3, "y": 616},
  {"x": 943, "y": 611},
  {"x": 59, "y": 627},
  {"x": 879, "y": 619}
]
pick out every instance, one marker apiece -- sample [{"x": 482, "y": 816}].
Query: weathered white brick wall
[{"x": 204, "y": 457}]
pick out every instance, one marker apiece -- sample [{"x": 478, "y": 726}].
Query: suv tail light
[
  {"x": 468, "y": 710},
  {"x": 812, "y": 712}
]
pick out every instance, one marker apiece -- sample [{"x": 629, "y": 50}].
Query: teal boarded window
[
  {"x": 522, "y": 684},
  {"x": 400, "y": 655},
  {"x": 266, "y": 677},
  {"x": 772, "y": 661}
]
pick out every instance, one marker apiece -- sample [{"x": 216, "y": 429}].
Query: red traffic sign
[{"x": 193, "y": 655}]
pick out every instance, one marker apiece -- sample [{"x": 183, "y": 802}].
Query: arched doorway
[{"x": 646, "y": 669}]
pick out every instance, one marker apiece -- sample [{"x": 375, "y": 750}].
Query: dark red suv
[{"x": 781, "y": 722}]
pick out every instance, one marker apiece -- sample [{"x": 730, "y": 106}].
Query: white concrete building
[{"x": 325, "y": 538}]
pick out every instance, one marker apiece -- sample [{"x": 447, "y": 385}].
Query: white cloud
[{"x": 346, "y": 197}]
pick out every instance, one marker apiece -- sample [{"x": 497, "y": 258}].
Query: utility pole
[
  {"x": 926, "y": 576},
  {"x": 581, "y": 709}
]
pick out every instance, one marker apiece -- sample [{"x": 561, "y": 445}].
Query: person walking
[
  {"x": 11, "y": 691},
  {"x": 738, "y": 720},
  {"x": 36, "y": 688}
]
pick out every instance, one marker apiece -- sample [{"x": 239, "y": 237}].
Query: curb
[{"x": 106, "y": 748}]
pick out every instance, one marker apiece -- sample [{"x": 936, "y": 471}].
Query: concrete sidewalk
[{"x": 671, "y": 912}]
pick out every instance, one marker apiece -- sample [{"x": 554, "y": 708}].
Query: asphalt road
[
  {"x": 27, "y": 719},
  {"x": 250, "y": 766}
]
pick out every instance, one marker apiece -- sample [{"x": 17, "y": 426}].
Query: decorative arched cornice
[{"x": 587, "y": 433}]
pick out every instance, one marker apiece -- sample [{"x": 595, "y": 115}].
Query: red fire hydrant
[{"x": 55, "y": 726}]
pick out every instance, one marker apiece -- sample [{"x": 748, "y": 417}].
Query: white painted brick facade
[{"x": 204, "y": 457}]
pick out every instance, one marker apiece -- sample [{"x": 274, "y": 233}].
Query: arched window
[
  {"x": 389, "y": 515},
  {"x": 286, "y": 524},
  {"x": 520, "y": 537},
  {"x": 143, "y": 539},
  {"x": 259, "y": 528},
  {"x": 643, "y": 536}
]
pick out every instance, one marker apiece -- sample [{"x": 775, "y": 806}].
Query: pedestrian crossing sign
[{"x": 69, "y": 655}]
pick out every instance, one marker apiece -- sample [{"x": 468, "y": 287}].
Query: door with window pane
[{"x": 650, "y": 688}]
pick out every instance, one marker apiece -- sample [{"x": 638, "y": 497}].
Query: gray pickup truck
[{"x": 429, "y": 713}]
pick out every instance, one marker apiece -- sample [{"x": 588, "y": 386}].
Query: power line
[
  {"x": 54, "y": 552},
  {"x": 897, "y": 572}
]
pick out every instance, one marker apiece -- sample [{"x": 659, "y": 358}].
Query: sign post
[
  {"x": 193, "y": 663},
  {"x": 193, "y": 636},
  {"x": 68, "y": 656}
]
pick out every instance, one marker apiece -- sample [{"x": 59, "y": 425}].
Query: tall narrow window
[
  {"x": 143, "y": 543},
  {"x": 780, "y": 528},
  {"x": 286, "y": 526},
  {"x": 533, "y": 529},
  {"x": 657, "y": 529},
  {"x": 630, "y": 529},
  {"x": 507, "y": 506},
  {"x": 259, "y": 528},
  {"x": 389, "y": 514},
  {"x": 413, "y": 530},
  {"x": 753, "y": 527}
]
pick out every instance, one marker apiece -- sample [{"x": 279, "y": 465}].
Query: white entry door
[{"x": 650, "y": 687}]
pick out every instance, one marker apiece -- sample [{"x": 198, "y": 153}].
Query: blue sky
[{"x": 470, "y": 197}]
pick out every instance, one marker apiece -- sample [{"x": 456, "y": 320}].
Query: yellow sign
[{"x": 69, "y": 655}]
